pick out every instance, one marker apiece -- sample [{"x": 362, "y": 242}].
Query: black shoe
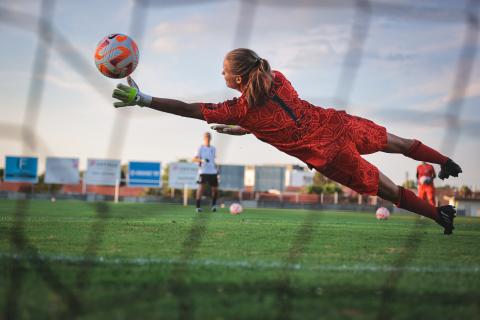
[
  {"x": 198, "y": 210},
  {"x": 448, "y": 169},
  {"x": 214, "y": 208},
  {"x": 446, "y": 214}
]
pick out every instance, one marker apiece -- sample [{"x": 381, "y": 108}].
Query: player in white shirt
[{"x": 207, "y": 171}]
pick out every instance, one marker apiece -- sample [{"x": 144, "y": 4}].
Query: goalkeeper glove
[{"x": 130, "y": 95}]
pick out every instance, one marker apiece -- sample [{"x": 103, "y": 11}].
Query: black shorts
[{"x": 211, "y": 179}]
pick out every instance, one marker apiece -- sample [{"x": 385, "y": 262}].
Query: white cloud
[
  {"x": 192, "y": 24},
  {"x": 435, "y": 92},
  {"x": 67, "y": 81},
  {"x": 171, "y": 36},
  {"x": 165, "y": 44},
  {"x": 313, "y": 47}
]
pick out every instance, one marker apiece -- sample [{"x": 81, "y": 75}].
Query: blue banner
[
  {"x": 144, "y": 174},
  {"x": 21, "y": 169}
]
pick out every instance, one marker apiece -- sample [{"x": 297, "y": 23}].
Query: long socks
[
  {"x": 421, "y": 152},
  {"x": 409, "y": 201}
]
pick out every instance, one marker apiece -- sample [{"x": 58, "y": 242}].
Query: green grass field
[{"x": 64, "y": 260}]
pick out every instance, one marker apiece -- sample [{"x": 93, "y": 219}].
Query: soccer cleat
[
  {"x": 214, "y": 208},
  {"x": 446, "y": 214},
  {"x": 198, "y": 210},
  {"x": 448, "y": 169}
]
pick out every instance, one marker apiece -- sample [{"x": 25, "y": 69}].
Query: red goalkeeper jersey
[
  {"x": 425, "y": 174},
  {"x": 292, "y": 125}
]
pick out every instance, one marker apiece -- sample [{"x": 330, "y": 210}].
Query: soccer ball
[
  {"x": 116, "y": 56},
  {"x": 382, "y": 213},
  {"x": 236, "y": 208}
]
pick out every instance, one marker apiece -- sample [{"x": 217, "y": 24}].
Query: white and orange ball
[
  {"x": 382, "y": 213},
  {"x": 116, "y": 56},
  {"x": 236, "y": 208}
]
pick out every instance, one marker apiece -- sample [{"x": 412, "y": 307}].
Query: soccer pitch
[{"x": 142, "y": 261}]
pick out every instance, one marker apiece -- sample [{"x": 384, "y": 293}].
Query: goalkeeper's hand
[
  {"x": 130, "y": 95},
  {"x": 230, "y": 129}
]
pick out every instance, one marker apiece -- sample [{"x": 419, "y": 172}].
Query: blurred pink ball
[
  {"x": 236, "y": 208},
  {"x": 382, "y": 213}
]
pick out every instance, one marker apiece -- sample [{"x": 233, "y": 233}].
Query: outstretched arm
[
  {"x": 190, "y": 110},
  {"x": 131, "y": 95}
]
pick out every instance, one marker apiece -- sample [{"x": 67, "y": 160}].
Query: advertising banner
[
  {"x": 144, "y": 174},
  {"x": 21, "y": 169},
  {"x": 181, "y": 174},
  {"x": 102, "y": 172},
  {"x": 62, "y": 171}
]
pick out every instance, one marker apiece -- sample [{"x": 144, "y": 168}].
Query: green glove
[{"x": 130, "y": 95}]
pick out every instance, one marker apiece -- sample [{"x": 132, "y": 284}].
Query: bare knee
[{"x": 396, "y": 144}]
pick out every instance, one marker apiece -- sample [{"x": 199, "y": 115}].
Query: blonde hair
[{"x": 255, "y": 72}]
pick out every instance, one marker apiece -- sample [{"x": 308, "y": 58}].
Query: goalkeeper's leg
[
  {"x": 351, "y": 170},
  {"x": 406, "y": 199},
  {"x": 418, "y": 151}
]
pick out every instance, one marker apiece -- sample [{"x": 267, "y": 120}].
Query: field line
[{"x": 241, "y": 264}]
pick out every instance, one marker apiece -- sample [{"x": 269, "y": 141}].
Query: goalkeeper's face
[{"x": 231, "y": 80}]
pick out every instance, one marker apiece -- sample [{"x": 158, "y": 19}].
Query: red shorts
[
  {"x": 348, "y": 167},
  {"x": 427, "y": 192}
]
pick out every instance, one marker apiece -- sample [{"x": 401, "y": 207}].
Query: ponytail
[
  {"x": 256, "y": 75},
  {"x": 259, "y": 84}
]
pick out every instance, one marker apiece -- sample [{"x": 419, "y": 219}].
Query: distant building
[
  {"x": 466, "y": 206},
  {"x": 277, "y": 177},
  {"x": 298, "y": 176},
  {"x": 249, "y": 176}
]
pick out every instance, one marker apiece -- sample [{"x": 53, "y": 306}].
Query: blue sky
[{"x": 404, "y": 80}]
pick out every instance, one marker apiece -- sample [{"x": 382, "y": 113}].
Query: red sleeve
[{"x": 227, "y": 112}]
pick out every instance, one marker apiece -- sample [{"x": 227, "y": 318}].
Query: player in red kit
[
  {"x": 425, "y": 176},
  {"x": 328, "y": 140}
]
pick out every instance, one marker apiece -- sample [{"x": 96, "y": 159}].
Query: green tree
[
  {"x": 42, "y": 187},
  {"x": 123, "y": 175},
  {"x": 322, "y": 184},
  {"x": 319, "y": 179},
  {"x": 410, "y": 184},
  {"x": 465, "y": 191},
  {"x": 332, "y": 187},
  {"x": 315, "y": 189},
  {"x": 164, "y": 190}
]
